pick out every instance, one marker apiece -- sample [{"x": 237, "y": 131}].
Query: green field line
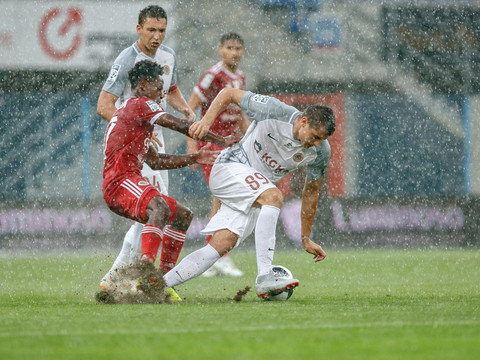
[{"x": 396, "y": 324}]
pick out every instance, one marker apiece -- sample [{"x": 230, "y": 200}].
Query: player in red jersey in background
[
  {"x": 126, "y": 145},
  {"x": 224, "y": 74}
]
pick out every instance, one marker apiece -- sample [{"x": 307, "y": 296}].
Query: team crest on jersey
[
  {"x": 143, "y": 183},
  {"x": 153, "y": 106},
  {"x": 166, "y": 70},
  {"x": 298, "y": 157},
  {"x": 114, "y": 72},
  {"x": 260, "y": 98}
]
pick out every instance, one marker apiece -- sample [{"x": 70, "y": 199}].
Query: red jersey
[
  {"x": 209, "y": 85},
  {"x": 127, "y": 139}
]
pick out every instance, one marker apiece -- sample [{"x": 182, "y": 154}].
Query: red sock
[
  {"x": 173, "y": 240},
  {"x": 151, "y": 239}
]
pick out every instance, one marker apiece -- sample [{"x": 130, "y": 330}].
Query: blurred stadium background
[{"x": 402, "y": 76}]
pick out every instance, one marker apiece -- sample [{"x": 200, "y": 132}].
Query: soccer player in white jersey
[
  {"x": 232, "y": 121},
  {"x": 151, "y": 29},
  {"x": 280, "y": 139}
]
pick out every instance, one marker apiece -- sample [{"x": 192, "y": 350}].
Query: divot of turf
[
  {"x": 240, "y": 294},
  {"x": 139, "y": 283}
]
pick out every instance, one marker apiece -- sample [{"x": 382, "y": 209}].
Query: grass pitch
[{"x": 357, "y": 304}]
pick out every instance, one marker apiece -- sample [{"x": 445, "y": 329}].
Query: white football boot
[
  {"x": 110, "y": 280},
  {"x": 273, "y": 283}
]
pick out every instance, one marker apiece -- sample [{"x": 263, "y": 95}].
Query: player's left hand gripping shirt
[
  {"x": 127, "y": 138},
  {"x": 269, "y": 145}
]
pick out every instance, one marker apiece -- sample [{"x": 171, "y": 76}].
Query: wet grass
[{"x": 357, "y": 304}]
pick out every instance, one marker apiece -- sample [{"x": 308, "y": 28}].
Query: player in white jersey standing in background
[
  {"x": 151, "y": 29},
  {"x": 231, "y": 121},
  {"x": 280, "y": 139}
]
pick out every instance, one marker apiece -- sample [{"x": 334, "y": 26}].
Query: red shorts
[{"x": 130, "y": 196}]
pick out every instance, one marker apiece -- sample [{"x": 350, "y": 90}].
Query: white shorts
[
  {"x": 238, "y": 185},
  {"x": 236, "y": 221}
]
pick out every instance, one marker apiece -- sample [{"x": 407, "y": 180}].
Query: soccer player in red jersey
[
  {"x": 224, "y": 74},
  {"x": 126, "y": 145},
  {"x": 151, "y": 29}
]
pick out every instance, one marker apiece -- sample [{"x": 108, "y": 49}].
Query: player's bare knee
[
  {"x": 272, "y": 197},
  {"x": 223, "y": 241},
  {"x": 188, "y": 217},
  {"x": 183, "y": 218},
  {"x": 277, "y": 198},
  {"x": 158, "y": 211}
]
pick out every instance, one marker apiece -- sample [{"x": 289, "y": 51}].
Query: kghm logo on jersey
[
  {"x": 298, "y": 157},
  {"x": 268, "y": 159},
  {"x": 166, "y": 70},
  {"x": 272, "y": 163}
]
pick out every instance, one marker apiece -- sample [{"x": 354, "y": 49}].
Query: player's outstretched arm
[
  {"x": 194, "y": 102},
  {"x": 177, "y": 101},
  {"x": 310, "y": 198},
  {"x": 204, "y": 156},
  {"x": 182, "y": 126},
  {"x": 220, "y": 103}
]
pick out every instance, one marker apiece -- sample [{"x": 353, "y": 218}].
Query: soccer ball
[{"x": 281, "y": 295}]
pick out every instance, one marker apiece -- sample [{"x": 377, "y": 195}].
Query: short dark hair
[
  {"x": 318, "y": 114},
  {"x": 231, "y": 36},
  {"x": 153, "y": 11},
  {"x": 145, "y": 69}
]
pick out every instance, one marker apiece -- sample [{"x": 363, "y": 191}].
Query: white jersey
[
  {"x": 269, "y": 145},
  {"x": 118, "y": 84}
]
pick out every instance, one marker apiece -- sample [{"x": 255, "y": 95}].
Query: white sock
[
  {"x": 192, "y": 266},
  {"x": 265, "y": 229},
  {"x": 136, "y": 242},
  {"x": 123, "y": 258},
  {"x": 131, "y": 247}
]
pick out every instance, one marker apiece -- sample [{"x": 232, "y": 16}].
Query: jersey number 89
[{"x": 254, "y": 183}]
